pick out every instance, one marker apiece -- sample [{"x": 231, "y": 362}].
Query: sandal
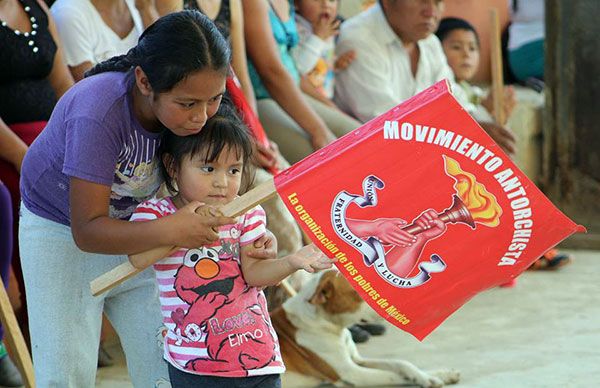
[{"x": 551, "y": 260}]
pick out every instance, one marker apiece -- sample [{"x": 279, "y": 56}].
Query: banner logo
[{"x": 471, "y": 204}]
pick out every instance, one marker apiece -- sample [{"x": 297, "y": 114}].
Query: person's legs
[
  {"x": 294, "y": 143},
  {"x": 337, "y": 121},
  {"x": 134, "y": 310},
  {"x": 9, "y": 375},
  {"x": 180, "y": 379},
  {"x": 528, "y": 60},
  {"x": 64, "y": 317}
]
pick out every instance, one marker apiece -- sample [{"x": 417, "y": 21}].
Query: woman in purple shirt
[{"x": 83, "y": 177}]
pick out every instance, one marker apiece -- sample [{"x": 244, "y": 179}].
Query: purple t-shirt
[{"x": 92, "y": 135}]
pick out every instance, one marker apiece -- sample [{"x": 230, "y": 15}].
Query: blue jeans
[
  {"x": 180, "y": 379},
  {"x": 65, "y": 319}
]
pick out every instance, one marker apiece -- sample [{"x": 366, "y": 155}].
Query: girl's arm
[
  {"x": 261, "y": 273},
  {"x": 60, "y": 77},
  {"x": 238, "y": 50},
  {"x": 12, "y": 148},
  {"x": 94, "y": 231},
  {"x": 264, "y": 54}
]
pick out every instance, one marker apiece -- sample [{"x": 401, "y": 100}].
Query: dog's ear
[{"x": 323, "y": 292}]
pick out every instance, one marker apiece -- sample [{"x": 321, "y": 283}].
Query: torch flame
[{"x": 481, "y": 204}]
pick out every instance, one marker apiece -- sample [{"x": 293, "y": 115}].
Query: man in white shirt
[{"x": 397, "y": 56}]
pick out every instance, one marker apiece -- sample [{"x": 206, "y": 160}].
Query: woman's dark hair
[
  {"x": 447, "y": 25},
  {"x": 223, "y": 130},
  {"x": 172, "y": 48}
]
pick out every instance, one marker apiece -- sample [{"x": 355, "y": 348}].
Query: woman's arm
[
  {"x": 60, "y": 77},
  {"x": 94, "y": 231},
  {"x": 12, "y": 148},
  {"x": 269, "y": 272},
  {"x": 308, "y": 88},
  {"x": 238, "y": 49},
  {"x": 263, "y": 52}
]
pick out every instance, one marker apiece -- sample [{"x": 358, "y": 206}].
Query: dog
[{"x": 315, "y": 341}]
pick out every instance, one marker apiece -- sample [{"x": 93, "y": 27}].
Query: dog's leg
[
  {"x": 448, "y": 376},
  {"x": 404, "y": 371}
]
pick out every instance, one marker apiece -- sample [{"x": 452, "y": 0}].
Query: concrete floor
[{"x": 545, "y": 332}]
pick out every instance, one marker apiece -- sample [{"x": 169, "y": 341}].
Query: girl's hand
[
  {"x": 321, "y": 139},
  {"x": 326, "y": 27},
  {"x": 310, "y": 259},
  {"x": 344, "y": 60},
  {"x": 196, "y": 225},
  {"x": 266, "y": 157},
  {"x": 264, "y": 248}
]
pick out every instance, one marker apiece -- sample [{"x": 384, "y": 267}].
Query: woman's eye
[
  {"x": 234, "y": 171},
  {"x": 207, "y": 169},
  {"x": 216, "y": 98}
]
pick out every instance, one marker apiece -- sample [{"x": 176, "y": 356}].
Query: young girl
[
  {"x": 95, "y": 161},
  {"x": 219, "y": 330}
]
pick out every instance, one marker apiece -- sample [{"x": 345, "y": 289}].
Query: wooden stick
[
  {"x": 287, "y": 288},
  {"x": 497, "y": 74},
  {"x": 137, "y": 263},
  {"x": 15, "y": 339}
]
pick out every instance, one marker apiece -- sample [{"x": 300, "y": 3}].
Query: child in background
[
  {"x": 317, "y": 25},
  {"x": 219, "y": 329},
  {"x": 461, "y": 46}
]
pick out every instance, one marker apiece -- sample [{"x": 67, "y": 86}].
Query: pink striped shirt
[{"x": 216, "y": 323}]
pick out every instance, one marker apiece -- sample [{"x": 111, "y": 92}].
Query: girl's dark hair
[
  {"x": 223, "y": 130},
  {"x": 447, "y": 25},
  {"x": 172, "y": 48}
]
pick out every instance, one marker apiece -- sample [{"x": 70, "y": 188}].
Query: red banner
[{"x": 422, "y": 210}]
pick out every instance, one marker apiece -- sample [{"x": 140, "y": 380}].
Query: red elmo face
[{"x": 197, "y": 276}]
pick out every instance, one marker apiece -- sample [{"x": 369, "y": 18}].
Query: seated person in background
[
  {"x": 461, "y": 46},
  {"x": 227, "y": 16},
  {"x": 318, "y": 24},
  {"x": 526, "y": 39},
  {"x": 397, "y": 56},
  {"x": 298, "y": 123},
  {"x": 93, "y": 31},
  {"x": 33, "y": 76}
]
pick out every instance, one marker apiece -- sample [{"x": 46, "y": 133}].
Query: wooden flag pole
[
  {"x": 497, "y": 74},
  {"x": 15, "y": 339},
  {"x": 138, "y": 262}
]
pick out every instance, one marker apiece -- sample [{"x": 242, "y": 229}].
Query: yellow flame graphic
[{"x": 481, "y": 204}]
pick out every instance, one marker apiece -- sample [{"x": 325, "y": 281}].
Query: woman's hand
[
  {"x": 310, "y": 259},
  {"x": 321, "y": 139},
  {"x": 196, "y": 225},
  {"x": 267, "y": 157},
  {"x": 264, "y": 248}
]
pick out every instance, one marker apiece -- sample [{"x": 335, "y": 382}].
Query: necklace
[{"x": 30, "y": 35}]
